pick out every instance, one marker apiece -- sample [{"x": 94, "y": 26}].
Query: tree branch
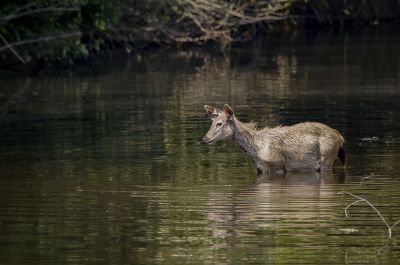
[
  {"x": 41, "y": 39},
  {"x": 39, "y": 10},
  {"x": 360, "y": 199},
  {"x": 12, "y": 49}
]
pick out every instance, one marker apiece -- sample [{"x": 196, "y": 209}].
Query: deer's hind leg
[{"x": 328, "y": 156}]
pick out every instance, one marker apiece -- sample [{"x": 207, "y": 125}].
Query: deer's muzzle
[{"x": 207, "y": 140}]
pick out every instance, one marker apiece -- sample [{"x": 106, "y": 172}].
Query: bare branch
[
  {"x": 41, "y": 39},
  {"x": 203, "y": 20},
  {"x": 396, "y": 223},
  {"x": 359, "y": 199},
  {"x": 12, "y": 49},
  {"x": 39, "y": 10},
  {"x": 348, "y": 206}
]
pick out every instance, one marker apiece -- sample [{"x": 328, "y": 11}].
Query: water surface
[{"x": 108, "y": 167}]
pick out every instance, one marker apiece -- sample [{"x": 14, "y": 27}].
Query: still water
[{"x": 108, "y": 167}]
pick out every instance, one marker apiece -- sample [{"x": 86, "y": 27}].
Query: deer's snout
[{"x": 206, "y": 140}]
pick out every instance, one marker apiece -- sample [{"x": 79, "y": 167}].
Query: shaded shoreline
[
  {"x": 71, "y": 33},
  {"x": 236, "y": 53}
]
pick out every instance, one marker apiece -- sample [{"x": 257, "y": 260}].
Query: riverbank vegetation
[{"x": 54, "y": 31}]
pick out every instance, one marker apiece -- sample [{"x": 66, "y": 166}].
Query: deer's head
[{"x": 222, "y": 122}]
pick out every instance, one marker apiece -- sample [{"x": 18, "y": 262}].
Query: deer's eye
[{"x": 219, "y": 124}]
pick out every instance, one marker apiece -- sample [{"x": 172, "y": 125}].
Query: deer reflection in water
[
  {"x": 305, "y": 146},
  {"x": 294, "y": 166},
  {"x": 273, "y": 202}
]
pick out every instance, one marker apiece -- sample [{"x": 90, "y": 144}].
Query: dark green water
[{"x": 108, "y": 168}]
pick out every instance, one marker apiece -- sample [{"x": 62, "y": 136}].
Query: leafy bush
[
  {"x": 62, "y": 31},
  {"x": 55, "y": 30}
]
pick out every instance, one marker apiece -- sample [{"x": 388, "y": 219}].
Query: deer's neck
[{"x": 244, "y": 135}]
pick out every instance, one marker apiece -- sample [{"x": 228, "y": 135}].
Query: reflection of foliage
[
  {"x": 334, "y": 12},
  {"x": 118, "y": 155}
]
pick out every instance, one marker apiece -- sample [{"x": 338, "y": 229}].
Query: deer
[{"x": 306, "y": 146}]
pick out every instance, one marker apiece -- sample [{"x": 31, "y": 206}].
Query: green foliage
[
  {"x": 58, "y": 31},
  {"x": 62, "y": 31}
]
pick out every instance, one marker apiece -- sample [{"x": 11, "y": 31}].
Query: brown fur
[{"x": 303, "y": 146}]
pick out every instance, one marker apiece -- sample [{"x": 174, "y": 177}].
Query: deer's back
[
  {"x": 304, "y": 132},
  {"x": 303, "y": 144}
]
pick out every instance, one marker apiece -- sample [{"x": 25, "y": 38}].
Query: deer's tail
[
  {"x": 341, "y": 152},
  {"x": 342, "y": 155}
]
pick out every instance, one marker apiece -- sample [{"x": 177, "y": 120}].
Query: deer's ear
[
  {"x": 211, "y": 111},
  {"x": 228, "y": 111}
]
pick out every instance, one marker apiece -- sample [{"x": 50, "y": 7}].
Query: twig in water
[
  {"x": 359, "y": 199},
  {"x": 396, "y": 223},
  {"x": 367, "y": 177}
]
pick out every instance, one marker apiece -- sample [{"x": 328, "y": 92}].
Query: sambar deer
[{"x": 300, "y": 147}]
